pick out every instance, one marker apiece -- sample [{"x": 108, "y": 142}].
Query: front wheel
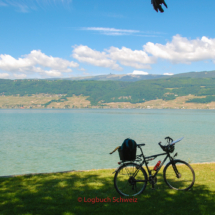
[
  {"x": 179, "y": 175},
  {"x": 130, "y": 179}
]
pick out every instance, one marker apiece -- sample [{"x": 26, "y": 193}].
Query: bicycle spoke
[
  {"x": 180, "y": 176},
  {"x": 126, "y": 184}
]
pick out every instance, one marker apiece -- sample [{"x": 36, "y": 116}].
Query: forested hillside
[{"x": 115, "y": 91}]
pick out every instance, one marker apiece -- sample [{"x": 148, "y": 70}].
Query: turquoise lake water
[{"x": 35, "y": 141}]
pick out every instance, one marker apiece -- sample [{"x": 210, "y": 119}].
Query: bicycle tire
[
  {"x": 183, "y": 180},
  {"x": 126, "y": 184}
]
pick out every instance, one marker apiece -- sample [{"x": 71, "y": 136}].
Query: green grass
[{"x": 58, "y": 194}]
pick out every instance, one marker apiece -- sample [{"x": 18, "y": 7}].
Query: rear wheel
[
  {"x": 179, "y": 175},
  {"x": 130, "y": 179}
]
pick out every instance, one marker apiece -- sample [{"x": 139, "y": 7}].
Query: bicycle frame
[{"x": 152, "y": 157}]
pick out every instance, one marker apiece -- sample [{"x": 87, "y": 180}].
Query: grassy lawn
[{"x": 58, "y": 194}]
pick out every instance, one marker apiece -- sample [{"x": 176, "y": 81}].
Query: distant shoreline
[
  {"x": 108, "y": 108},
  {"x": 48, "y": 101}
]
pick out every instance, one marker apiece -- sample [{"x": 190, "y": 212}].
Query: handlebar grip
[{"x": 159, "y": 143}]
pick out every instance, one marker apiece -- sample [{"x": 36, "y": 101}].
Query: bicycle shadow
[
  {"x": 198, "y": 200},
  {"x": 59, "y": 193}
]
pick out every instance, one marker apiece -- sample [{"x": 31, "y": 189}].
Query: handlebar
[
  {"x": 169, "y": 140},
  {"x": 168, "y": 148},
  {"x": 162, "y": 146}
]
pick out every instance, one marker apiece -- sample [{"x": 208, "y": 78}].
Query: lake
[{"x": 34, "y": 141}]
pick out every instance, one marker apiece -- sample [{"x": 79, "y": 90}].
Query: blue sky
[{"x": 65, "y": 38}]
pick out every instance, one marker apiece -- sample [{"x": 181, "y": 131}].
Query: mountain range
[{"x": 133, "y": 78}]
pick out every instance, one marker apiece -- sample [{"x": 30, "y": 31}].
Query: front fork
[{"x": 178, "y": 175}]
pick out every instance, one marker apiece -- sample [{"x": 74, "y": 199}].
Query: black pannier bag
[{"x": 127, "y": 152}]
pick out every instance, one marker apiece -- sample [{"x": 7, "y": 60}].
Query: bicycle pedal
[{"x": 153, "y": 187}]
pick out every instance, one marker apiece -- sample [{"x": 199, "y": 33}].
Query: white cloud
[
  {"x": 4, "y": 75},
  {"x": 37, "y": 57},
  {"x": 179, "y": 50},
  {"x": 137, "y": 72},
  {"x": 109, "y": 58},
  {"x": 111, "y": 31},
  {"x": 168, "y": 74},
  {"x": 121, "y": 32},
  {"x": 36, "y": 62},
  {"x": 20, "y": 76},
  {"x": 182, "y": 50},
  {"x": 127, "y": 57},
  {"x": 96, "y": 58},
  {"x": 53, "y": 73}
]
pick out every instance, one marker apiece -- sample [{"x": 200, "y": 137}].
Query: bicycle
[{"x": 131, "y": 178}]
